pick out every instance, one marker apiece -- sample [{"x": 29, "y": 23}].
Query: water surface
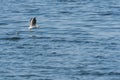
[{"x": 77, "y": 40}]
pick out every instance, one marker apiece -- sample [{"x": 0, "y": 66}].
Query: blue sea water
[{"x": 77, "y": 40}]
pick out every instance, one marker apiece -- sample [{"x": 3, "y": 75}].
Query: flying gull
[{"x": 33, "y": 23}]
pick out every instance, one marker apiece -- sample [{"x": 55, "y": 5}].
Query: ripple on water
[
  {"x": 39, "y": 37},
  {"x": 11, "y": 38},
  {"x": 3, "y": 24},
  {"x": 98, "y": 73}
]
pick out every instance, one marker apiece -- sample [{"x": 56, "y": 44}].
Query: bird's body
[{"x": 33, "y": 23}]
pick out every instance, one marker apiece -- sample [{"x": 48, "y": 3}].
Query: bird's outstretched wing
[{"x": 34, "y": 21}]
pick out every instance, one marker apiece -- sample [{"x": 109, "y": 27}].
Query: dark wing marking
[{"x": 34, "y": 21}]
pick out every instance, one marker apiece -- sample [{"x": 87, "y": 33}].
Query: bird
[{"x": 33, "y": 22}]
